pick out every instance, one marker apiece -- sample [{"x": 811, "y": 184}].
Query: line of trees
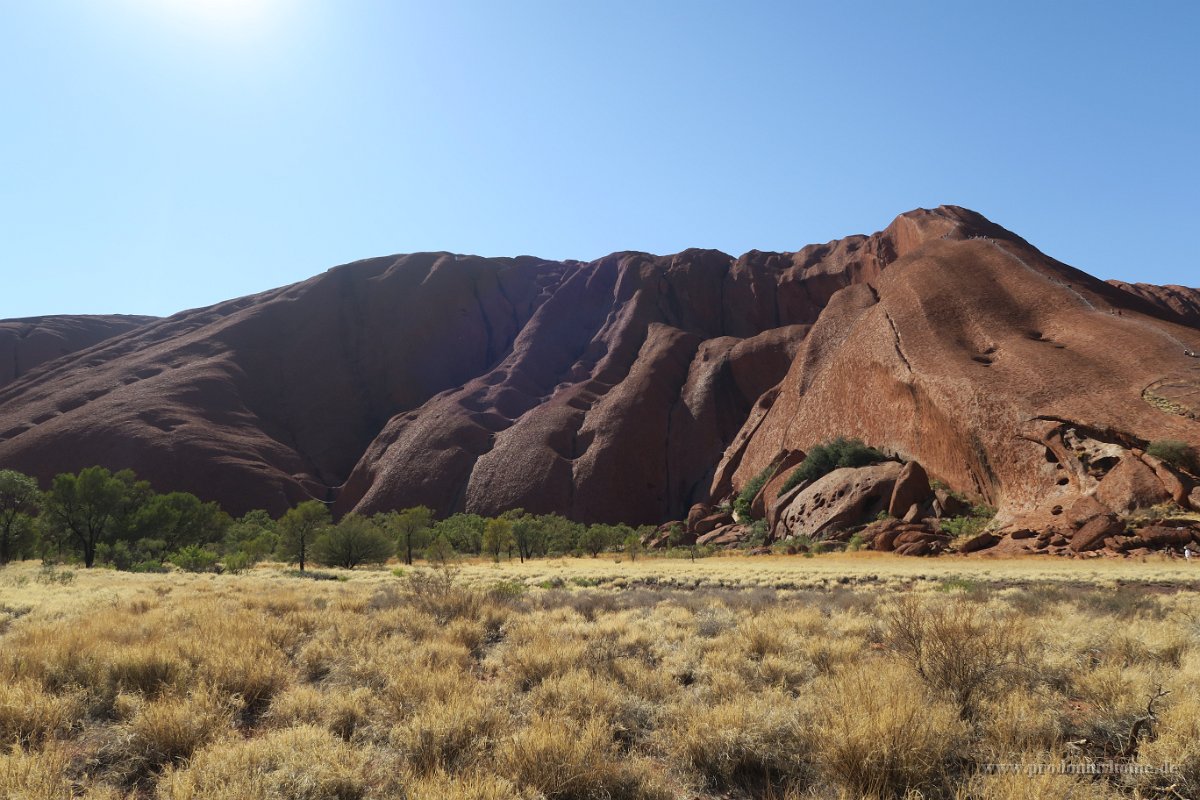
[{"x": 112, "y": 518}]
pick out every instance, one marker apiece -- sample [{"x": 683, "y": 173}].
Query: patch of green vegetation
[
  {"x": 507, "y": 590},
  {"x": 825, "y": 458},
  {"x": 741, "y": 506},
  {"x": 969, "y": 525},
  {"x": 1174, "y": 452}
]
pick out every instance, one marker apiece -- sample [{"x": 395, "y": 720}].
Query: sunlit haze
[{"x": 167, "y": 154}]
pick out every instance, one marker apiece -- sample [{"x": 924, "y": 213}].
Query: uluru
[{"x": 633, "y": 387}]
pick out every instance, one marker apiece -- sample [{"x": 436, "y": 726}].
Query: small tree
[
  {"x": 353, "y": 541},
  {"x": 299, "y": 529},
  {"x": 253, "y": 536},
  {"x": 179, "y": 519},
  {"x": 633, "y": 546},
  {"x": 529, "y": 535},
  {"x": 19, "y": 498},
  {"x": 596, "y": 538},
  {"x": 463, "y": 531},
  {"x": 410, "y": 529},
  {"x": 497, "y": 537},
  {"x": 440, "y": 552},
  {"x": 93, "y": 507}
]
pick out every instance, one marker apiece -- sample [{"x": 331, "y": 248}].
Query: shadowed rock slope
[
  {"x": 32, "y": 341},
  {"x": 626, "y": 388}
]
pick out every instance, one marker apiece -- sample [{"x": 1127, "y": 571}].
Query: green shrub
[
  {"x": 1174, "y": 452},
  {"x": 507, "y": 590},
  {"x": 194, "y": 558},
  {"x": 741, "y": 506},
  {"x": 149, "y": 566},
  {"x": 963, "y": 526},
  {"x": 238, "y": 562},
  {"x": 825, "y": 458}
]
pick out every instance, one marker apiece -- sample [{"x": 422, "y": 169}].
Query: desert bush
[
  {"x": 342, "y": 712},
  {"x": 451, "y": 733},
  {"x": 194, "y": 558},
  {"x": 166, "y": 731},
  {"x": 567, "y": 760},
  {"x": 879, "y": 733},
  {"x": 301, "y": 763},
  {"x": 1174, "y": 741},
  {"x": 956, "y": 649},
  {"x": 436, "y": 592},
  {"x": 41, "y": 775},
  {"x": 825, "y": 458},
  {"x": 756, "y": 741},
  {"x": 29, "y": 715}
]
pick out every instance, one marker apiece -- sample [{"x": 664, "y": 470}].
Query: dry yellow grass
[{"x": 837, "y": 676}]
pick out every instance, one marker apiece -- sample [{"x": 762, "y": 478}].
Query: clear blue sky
[{"x": 165, "y": 154}]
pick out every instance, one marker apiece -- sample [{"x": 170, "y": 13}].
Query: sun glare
[{"x": 230, "y": 16}]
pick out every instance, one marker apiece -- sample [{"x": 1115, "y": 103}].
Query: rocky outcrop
[
  {"x": 844, "y": 498},
  {"x": 912, "y": 489},
  {"x": 26, "y": 344},
  {"x": 1014, "y": 379},
  {"x": 1093, "y": 533},
  {"x": 1131, "y": 485}
]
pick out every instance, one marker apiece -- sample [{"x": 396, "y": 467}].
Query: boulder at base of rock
[
  {"x": 926, "y": 548},
  {"x": 725, "y": 536},
  {"x": 697, "y": 513},
  {"x": 912, "y": 488},
  {"x": 1131, "y": 485},
  {"x": 776, "y": 508},
  {"x": 1171, "y": 481},
  {"x": 712, "y": 522},
  {"x": 946, "y": 504},
  {"x": 1095, "y": 531},
  {"x": 843, "y": 498},
  {"x": 981, "y": 542},
  {"x": 1083, "y": 509},
  {"x": 1158, "y": 537}
]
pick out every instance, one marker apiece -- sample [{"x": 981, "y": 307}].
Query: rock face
[
  {"x": 1012, "y": 378},
  {"x": 912, "y": 488},
  {"x": 842, "y": 498},
  {"x": 1130, "y": 485},
  {"x": 1093, "y": 533},
  {"x": 28, "y": 343},
  {"x": 632, "y": 387}
]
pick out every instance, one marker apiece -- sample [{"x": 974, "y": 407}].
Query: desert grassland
[{"x": 849, "y": 675}]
